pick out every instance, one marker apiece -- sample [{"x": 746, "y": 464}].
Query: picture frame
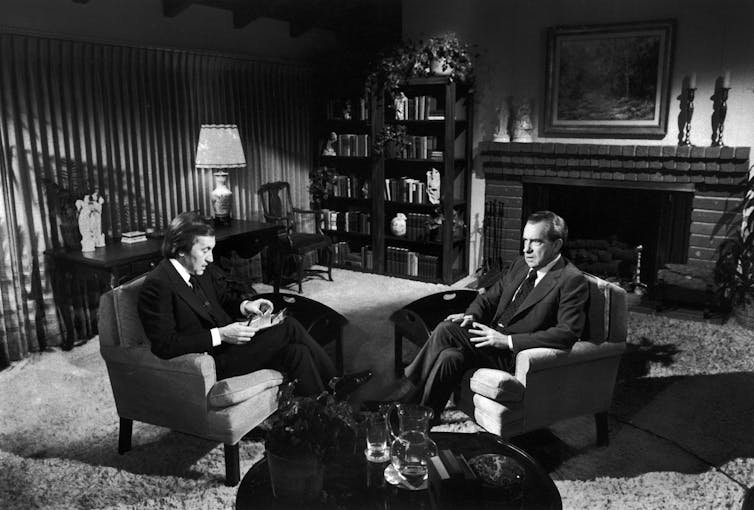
[{"x": 609, "y": 81}]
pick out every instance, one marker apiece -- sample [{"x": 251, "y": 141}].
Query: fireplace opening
[{"x": 607, "y": 224}]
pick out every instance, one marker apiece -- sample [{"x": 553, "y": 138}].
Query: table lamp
[{"x": 220, "y": 148}]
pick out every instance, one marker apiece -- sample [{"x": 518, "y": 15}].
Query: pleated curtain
[{"x": 79, "y": 116}]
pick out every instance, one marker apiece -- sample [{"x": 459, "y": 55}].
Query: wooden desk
[{"x": 80, "y": 278}]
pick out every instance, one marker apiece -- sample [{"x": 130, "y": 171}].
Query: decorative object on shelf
[
  {"x": 719, "y": 108},
  {"x": 445, "y": 54},
  {"x": 347, "y": 110},
  {"x": 433, "y": 186},
  {"x": 687, "y": 110},
  {"x": 392, "y": 141},
  {"x": 609, "y": 80},
  {"x": 522, "y": 126},
  {"x": 398, "y": 225},
  {"x": 329, "y": 149},
  {"x": 90, "y": 221},
  {"x": 400, "y": 104},
  {"x": 220, "y": 148},
  {"x": 321, "y": 181},
  {"x": 305, "y": 434},
  {"x": 734, "y": 269},
  {"x": 503, "y": 117}
]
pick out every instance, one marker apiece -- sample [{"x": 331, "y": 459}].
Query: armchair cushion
[
  {"x": 497, "y": 385},
  {"x": 234, "y": 390}
]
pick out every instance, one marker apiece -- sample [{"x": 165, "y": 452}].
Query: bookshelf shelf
[{"x": 368, "y": 177}]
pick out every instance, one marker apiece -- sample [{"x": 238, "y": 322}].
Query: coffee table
[{"x": 354, "y": 483}]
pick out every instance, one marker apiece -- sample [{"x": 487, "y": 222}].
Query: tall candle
[
  {"x": 692, "y": 81},
  {"x": 726, "y": 80}
]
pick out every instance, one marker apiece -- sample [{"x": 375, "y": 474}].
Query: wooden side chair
[{"x": 303, "y": 233}]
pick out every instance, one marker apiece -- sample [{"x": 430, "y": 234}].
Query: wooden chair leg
[
  {"x": 232, "y": 465},
  {"x": 300, "y": 267},
  {"x": 124, "y": 436},
  {"x": 600, "y": 420},
  {"x": 330, "y": 257}
]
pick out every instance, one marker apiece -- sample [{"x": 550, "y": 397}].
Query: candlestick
[{"x": 687, "y": 112}]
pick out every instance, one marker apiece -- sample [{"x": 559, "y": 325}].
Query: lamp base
[{"x": 221, "y": 198}]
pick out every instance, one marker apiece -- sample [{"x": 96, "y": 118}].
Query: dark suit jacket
[
  {"x": 552, "y": 315},
  {"x": 175, "y": 320}
]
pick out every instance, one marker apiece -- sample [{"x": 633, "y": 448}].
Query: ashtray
[
  {"x": 499, "y": 472},
  {"x": 393, "y": 477}
]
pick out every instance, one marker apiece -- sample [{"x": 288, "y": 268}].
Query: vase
[
  {"x": 437, "y": 67},
  {"x": 398, "y": 225},
  {"x": 297, "y": 478},
  {"x": 221, "y": 197}
]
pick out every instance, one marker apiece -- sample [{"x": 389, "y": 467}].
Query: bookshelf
[{"x": 369, "y": 190}]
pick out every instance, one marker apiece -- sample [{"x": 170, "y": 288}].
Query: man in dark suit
[
  {"x": 539, "y": 302},
  {"x": 185, "y": 306}
]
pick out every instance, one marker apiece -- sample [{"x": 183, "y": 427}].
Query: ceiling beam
[{"x": 172, "y": 8}]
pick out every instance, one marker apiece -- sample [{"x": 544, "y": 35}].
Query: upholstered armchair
[
  {"x": 183, "y": 393},
  {"x": 551, "y": 384},
  {"x": 548, "y": 384}
]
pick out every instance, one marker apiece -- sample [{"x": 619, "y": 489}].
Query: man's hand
[
  {"x": 485, "y": 336},
  {"x": 257, "y": 307},
  {"x": 236, "y": 333},
  {"x": 464, "y": 320}
]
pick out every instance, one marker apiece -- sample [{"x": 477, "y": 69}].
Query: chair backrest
[
  {"x": 607, "y": 312},
  {"x": 124, "y": 313},
  {"x": 276, "y": 201}
]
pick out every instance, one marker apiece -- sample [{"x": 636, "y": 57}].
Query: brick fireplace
[{"x": 677, "y": 202}]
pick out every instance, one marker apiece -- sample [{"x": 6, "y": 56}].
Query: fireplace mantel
[{"x": 648, "y": 163}]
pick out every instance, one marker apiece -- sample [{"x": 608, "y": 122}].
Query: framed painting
[{"x": 609, "y": 80}]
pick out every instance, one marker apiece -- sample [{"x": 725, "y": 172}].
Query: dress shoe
[{"x": 342, "y": 386}]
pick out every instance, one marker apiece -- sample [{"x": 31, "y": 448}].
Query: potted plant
[
  {"x": 392, "y": 140},
  {"x": 305, "y": 434},
  {"x": 441, "y": 55},
  {"x": 734, "y": 270},
  {"x": 321, "y": 181}
]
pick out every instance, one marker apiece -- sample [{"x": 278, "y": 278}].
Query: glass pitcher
[{"x": 412, "y": 447}]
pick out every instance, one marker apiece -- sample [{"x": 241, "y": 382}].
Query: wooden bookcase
[{"x": 438, "y": 117}]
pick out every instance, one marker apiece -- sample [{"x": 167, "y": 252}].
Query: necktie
[
  {"x": 523, "y": 291},
  {"x": 194, "y": 281}
]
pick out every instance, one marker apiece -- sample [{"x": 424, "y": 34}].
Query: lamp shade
[{"x": 219, "y": 147}]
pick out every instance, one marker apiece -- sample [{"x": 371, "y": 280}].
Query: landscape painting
[{"x": 608, "y": 81}]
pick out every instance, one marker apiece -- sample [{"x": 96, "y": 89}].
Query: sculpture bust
[{"x": 329, "y": 150}]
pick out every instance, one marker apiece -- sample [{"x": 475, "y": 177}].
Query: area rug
[{"x": 680, "y": 426}]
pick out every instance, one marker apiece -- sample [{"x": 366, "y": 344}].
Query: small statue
[
  {"x": 329, "y": 150},
  {"x": 433, "y": 186},
  {"x": 501, "y": 131},
  {"x": 522, "y": 126},
  {"x": 399, "y": 104},
  {"x": 347, "y": 110},
  {"x": 90, "y": 221}
]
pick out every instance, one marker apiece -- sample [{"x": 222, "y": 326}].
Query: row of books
[
  {"x": 417, "y": 108},
  {"x": 406, "y": 190},
  {"x": 346, "y": 257},
  {"x": 404, "y": 262},
  {"x": 346, "y": 109},
  {"x": 421, "y": 147},
  {"x": 349, "y": 186},
  {"x": 353, "y": 145},
  {"x": 348, "y": 221}
]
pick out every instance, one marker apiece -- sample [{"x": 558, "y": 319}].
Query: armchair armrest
[{"x": 539, "y": 359}]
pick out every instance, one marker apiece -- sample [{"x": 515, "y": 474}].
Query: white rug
[{"x": 687, "y": 381}]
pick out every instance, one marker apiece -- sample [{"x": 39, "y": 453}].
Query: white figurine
[
  {"x": 90, "y": 221},
  {"x": 522, "y": 126},
  {"x": 329, "y": 150},
  {"x": 433, "y": 186}
]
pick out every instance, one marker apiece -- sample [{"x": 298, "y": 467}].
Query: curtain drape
[{"x": 78, "y": 116}]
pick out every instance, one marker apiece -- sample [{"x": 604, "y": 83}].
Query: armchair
[
  {"x": 303, "y": 233},
  {"x": 182, "y": 393}
]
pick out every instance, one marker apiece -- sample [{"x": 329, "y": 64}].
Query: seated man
[
  {"x": 539, "y": 302},
  {"x": 184, "y": 307}
]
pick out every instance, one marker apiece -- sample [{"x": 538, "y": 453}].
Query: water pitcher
[{"x": 411, "y": 448}]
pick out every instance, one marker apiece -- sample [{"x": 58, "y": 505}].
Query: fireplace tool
[{"x": 639, "y": 287}]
